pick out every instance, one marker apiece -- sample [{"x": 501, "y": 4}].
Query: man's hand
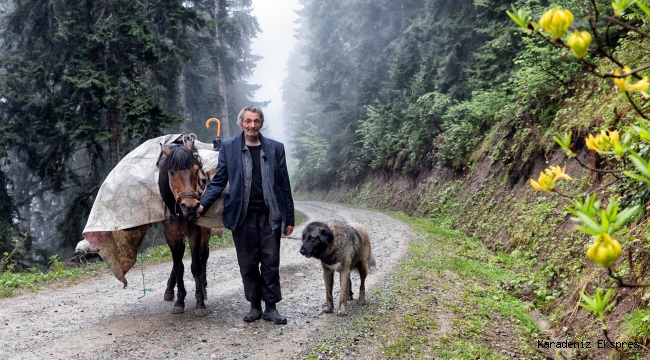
[
  {"x": 200, "y": 209},
  {"x": 289, "y": 231}
]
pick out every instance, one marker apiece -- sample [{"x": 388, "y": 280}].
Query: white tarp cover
[{"x": 128, "y": 202}]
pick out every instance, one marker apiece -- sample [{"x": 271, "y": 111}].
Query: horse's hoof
[
  {"x": 169, "y": 296},
  {"x": 201, "y": 312},
  {"x": 178, "y": 310}
]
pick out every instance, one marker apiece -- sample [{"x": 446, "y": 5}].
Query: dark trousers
[{"x": 256, "y": 243}]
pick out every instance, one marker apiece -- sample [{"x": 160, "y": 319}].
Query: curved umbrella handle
[{"x": 211, "y": 120}]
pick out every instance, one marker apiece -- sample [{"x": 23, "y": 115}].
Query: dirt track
[{"x": 97, "y": 319}]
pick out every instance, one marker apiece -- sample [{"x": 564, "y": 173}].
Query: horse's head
[{"x": 178, "y": 180}]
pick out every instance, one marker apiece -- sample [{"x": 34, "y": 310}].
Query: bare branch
[
  {"x": 635, "y": 107},
  {"x": 627, "y": 26},
  {"x": 597, "y": 170},
  {"x": 631, "y": 72}
]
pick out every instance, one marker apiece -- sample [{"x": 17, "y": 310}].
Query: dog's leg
[
  {"x": 363, "y": 272},
  {"x": 345, "y": 292},
  {"x": 328, "y": 276},
  {"x": 351, "y": 295}
]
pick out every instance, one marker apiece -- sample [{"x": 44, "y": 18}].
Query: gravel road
[{"x": 97, "y": 319}]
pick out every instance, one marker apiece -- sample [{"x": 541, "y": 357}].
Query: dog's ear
[{"x": 326, "y": 235}]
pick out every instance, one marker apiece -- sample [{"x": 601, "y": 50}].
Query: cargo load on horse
[{"x": 129, "y": 202}]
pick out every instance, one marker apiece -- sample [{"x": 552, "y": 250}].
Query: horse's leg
[
  {"x": 205, "y": 254},
  {"x": 174, "y": 237},
  {"x": 171, "y": 284},
  {"x": 194, "y": 234}
]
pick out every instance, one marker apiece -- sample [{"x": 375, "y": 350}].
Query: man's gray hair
[{"x": 252, "y": 108}]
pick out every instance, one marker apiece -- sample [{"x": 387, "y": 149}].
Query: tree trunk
[
  {"x": 114, "y": 113},
  {"x": 114, "y": 130},
  {"x": 221, "y": 72},
  {"x": 182, "y": 98}
]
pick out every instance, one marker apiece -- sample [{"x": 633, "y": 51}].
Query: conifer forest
[{"x": 523, "y": 125}]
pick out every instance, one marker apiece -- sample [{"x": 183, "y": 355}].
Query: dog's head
[{"x": 316, "y": 238}]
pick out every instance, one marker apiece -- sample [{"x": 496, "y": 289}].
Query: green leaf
[
  {"x": 588, "y": 303},
  {"x": 589, "y": 231},
  {"x": 639, "y": 163},
  {"x": 642, "y": 131},
  {"x": 620, "y": 6},
  {"x": 637, "y": 177},
  {"x": 604, "y": 220},
  {"x": 590, "y": 223},
  {"x": 597, "y": 304},
  {"x": 625, "y": 216},
  {"x": 565, "y": 143},
  {"x": 519, "y": 16},
  {"x": 645, "y": 9},
  {"x": 608, "y": 295}
]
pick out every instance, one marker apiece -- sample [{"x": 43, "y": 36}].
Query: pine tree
[
  {"x": 219, "y": 66},
  {"x": 84, "y": 82}
]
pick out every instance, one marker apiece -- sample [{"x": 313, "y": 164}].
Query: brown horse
[{"x": 178, "y": 185}]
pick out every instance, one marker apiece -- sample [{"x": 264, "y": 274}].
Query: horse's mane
[{"x": 179, "y": 158}]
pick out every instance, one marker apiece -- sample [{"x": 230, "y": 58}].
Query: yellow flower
[
  {"x": 603, "y": 141},
  {"x": 559, "y": 173},
  {"x": 548, "y": 178},
  {"x": 604, "y": 251},
  {"x": 625, "y": 84},
  {"x": 579, "y": 42},
  {"x": 556, "y": 22}
]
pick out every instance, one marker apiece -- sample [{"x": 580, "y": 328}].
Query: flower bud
[
  {"x": 604, "y": 251},
  {"x": 579, "y": 42},
  {"x": 556, "y": 22}
]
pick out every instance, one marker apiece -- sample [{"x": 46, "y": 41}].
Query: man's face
[{"x": 251, "y": 123}]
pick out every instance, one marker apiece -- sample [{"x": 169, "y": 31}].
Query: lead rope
[{"x": 144, "y": 289}]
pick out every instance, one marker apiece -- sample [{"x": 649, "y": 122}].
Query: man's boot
[
  {"x": 255, "y": 313},
  {"x": 271, "y": 314}
]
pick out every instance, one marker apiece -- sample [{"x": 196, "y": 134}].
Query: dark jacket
[{"x": 230, "y": 169}]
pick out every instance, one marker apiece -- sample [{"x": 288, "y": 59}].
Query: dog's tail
[{"x": 372, "y": 263}]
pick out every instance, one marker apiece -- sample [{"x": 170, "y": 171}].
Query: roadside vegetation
[
  {"x": 449, "y": 298},
  {"x": 526, "y": 234},
  {"x": 571, "y": 105},
  {"x": 33, "y": 279}
]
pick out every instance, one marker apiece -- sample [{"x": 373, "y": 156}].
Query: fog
[
  {"x": 277, "y": 20},
  {"x": 54, "y": 216}
]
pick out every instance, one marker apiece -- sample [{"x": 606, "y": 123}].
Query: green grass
[
  {"x": 637, "y": 325},
  {"x": 300, "y": 218},
  {"x": 33, "y": 279},
  {"x": 162, "y": 253},
  {"x": 444, "y": 301},
  {"x": 10, "y": 281}
]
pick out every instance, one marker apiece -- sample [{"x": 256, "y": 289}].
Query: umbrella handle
[{"x": 211, "y": 120}]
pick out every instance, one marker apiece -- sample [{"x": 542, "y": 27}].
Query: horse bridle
[{"x": 179, "y": 196}]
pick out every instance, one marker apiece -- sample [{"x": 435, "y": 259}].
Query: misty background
[
  {"x": 278, "y": 22},
  {"x": 354, "y": 88}
]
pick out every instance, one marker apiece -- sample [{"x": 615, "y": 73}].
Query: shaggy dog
[
  {"x": 340, "y": 247},
  {"x": 87, "y": 251}
]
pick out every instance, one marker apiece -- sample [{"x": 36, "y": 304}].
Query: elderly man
[{"x": 258, "y": 209}]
